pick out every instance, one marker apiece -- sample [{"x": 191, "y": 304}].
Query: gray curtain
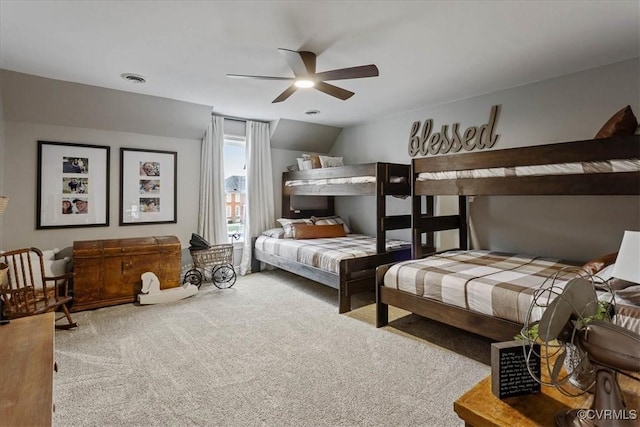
[
  {"x": 260, "y": 212},
  {"x": 212, "y": 218}
]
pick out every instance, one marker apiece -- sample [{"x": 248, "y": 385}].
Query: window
[{"x": 234, "y": 185}]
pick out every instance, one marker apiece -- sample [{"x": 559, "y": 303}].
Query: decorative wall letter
[{"x": 474, "y": 137}]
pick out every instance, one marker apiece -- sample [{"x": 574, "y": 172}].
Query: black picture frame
[
  {"x": 148, "y": 186},
  {"x": 72, "y": 185}
]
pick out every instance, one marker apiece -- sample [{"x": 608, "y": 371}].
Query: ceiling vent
[{"x": 134, "y": 78}]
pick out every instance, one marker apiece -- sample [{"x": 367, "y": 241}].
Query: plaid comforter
[
  {"x": 494, "y": 283},
  {"x": 324, "y": 254}
]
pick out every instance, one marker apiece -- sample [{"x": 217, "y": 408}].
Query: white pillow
[
  {"x": 56, "y": 267},
  {"x": 275, "y": 233},
  {"x": 606, "y": 273},
  {"x": 304, "y": 164},
  {"x": 331, "y": 162},
  {"x": 50, "y": 254},
  {"x": 52, "y": 267},
  {"x": 287, "y": 225}
]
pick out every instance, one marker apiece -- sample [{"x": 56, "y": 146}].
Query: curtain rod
[{"x": 237, "y": 119}]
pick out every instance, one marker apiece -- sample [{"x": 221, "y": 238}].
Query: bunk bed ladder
[
  {"x": 428, "y": 223},
  {"x": 384, "y": 187}
]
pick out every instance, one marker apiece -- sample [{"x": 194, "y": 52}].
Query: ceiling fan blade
[
  {"x": 332, "y": 90},
  {"x": 243, "y": 76},
  {"x": 302, "y": 63},
  {"x": 284, "y": 95},
  {"x": 349, "y": 73}
]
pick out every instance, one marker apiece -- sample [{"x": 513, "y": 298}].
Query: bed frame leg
[
  {"x": 382, "y": 314},
  {"x": 344, "y": 303},
  {"x": 255, "y": 264},
  {"x": 382, "y": 310}
]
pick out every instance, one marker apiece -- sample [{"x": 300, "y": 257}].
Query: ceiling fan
[{"x": 303, "y": 65}]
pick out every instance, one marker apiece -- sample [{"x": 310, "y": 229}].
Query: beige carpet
[{"x": 271, "y": 351}]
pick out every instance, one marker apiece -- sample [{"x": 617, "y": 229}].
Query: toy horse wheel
[
  {"x": 193, "y": 277},
  {"x": 224, "y": 276}
]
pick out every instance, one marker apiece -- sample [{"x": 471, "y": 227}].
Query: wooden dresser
[
  {"x": 107, "y": 272},
  {"x": 26, "y": 376}
]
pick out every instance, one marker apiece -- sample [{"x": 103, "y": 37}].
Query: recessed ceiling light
[
  {"x": 312, "y": 112},
  {"x": 134, "y": 78}
]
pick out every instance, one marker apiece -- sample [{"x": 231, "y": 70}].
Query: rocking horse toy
[{"x": 151, "y": 293}]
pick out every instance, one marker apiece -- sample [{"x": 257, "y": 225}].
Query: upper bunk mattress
[
  {"x": 365, "y": 179},
  {"x": 497, "y": 284},
  {"x": 576, "y": 168},
  {"x": 325, "y": 253},
  {"x": 324, "y": 181}
]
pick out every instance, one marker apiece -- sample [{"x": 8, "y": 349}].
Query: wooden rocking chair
[{"x": 26, "y": 291}]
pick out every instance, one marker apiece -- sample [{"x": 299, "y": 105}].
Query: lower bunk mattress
[
  {"x": 325, "y": 253},
  {"x": 493, "y": 283}
]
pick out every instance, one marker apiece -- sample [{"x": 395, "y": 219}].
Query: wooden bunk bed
[
  {"x": 451, "y": 175},
  {"x": 355, "y": 275}
]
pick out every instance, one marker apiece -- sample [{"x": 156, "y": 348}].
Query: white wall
[
  {"x": 567, "y": 108},
  {"x": 19, "y": 171}
]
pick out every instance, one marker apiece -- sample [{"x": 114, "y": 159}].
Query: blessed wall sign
[{"x": 450, "y": 140}]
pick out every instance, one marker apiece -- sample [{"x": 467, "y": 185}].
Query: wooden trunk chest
[{"x": 107, "y": 272}]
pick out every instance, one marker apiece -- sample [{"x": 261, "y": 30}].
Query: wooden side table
[
  {"x": 480, "y": 408},
  {"x": 26, "y": 376}
]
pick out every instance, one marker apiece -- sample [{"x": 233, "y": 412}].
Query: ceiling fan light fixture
[
  {"x": 304, "y": 83},
  {"x": 303, "y": 65}
]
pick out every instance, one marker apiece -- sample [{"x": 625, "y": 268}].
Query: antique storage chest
[{"x": 107, "y": 272}]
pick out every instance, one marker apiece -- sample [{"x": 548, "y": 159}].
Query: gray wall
[
  {"x": 35, "y": 109},
  {"x": 568, "y": 108},
  {"x": 53, "y": 110},
  {"x": 280, "y": 159},
  {"x": 563, "y": 109},
  {"x": 20, "y": 177},
  {"x": 35, "y": 99}
]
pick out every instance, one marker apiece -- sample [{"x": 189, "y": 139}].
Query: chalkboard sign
[{"x": 509, "y": 373}]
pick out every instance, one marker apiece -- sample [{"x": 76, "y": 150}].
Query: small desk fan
[{"x": 568, "y": 328}]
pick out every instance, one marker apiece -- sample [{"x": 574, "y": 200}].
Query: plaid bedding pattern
[
  {"x": 497, "y": 284},
  {"x": 327, "y": 253},
  {"x": 577, "y": 168},
  {"x": 627, "y": 316}
]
